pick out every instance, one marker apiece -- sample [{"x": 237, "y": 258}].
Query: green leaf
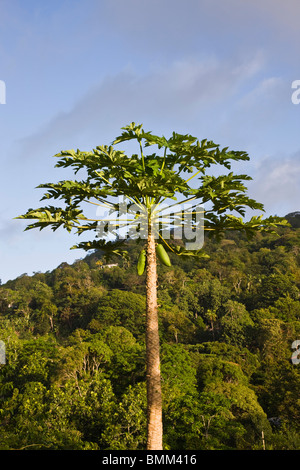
[{"x": 147, "y": 181}]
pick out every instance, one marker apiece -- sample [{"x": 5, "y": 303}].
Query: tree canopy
[
  {"x": 74, "y": 379},
  {"x": 214, "y": 298}
]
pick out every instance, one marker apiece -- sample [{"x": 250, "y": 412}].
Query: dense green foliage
[{"x": 74, "y": 376}]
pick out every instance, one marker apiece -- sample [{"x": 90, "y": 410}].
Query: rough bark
[{"x": 154, "y": 397}]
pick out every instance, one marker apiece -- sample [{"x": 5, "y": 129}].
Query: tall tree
[{"x": 149, "y": 183}]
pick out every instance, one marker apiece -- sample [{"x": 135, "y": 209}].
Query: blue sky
[{"x": 77, "y": 71}]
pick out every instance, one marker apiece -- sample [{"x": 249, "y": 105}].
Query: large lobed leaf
[{"x": 148, "y": 180}]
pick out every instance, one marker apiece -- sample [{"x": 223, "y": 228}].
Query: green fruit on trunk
[
  {"x": 163, "y": 255},
  {"x": 141, "y": 263}
]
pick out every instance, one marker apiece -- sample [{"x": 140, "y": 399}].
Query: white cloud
[
  {"x": 169, "y": 28},
  {"x": 167, "y": 96},
  {"x": 277, "y": 183},
  {"x": 267, "y": 89},
  {"x": 212, "y": 68}
]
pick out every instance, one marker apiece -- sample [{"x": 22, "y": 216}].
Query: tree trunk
[{"x": 154, "y": 398}]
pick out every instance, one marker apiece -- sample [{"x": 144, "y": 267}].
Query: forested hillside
[{"x": 74, "y": 376}]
